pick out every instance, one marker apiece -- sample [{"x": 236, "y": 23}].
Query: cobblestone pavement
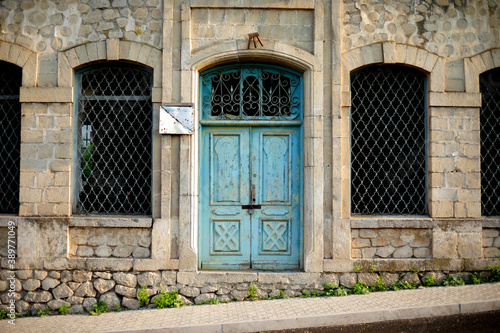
[{"x": 277, "y": 314}]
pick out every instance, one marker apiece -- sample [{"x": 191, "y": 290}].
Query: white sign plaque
[{"x": 176, "y": 119}]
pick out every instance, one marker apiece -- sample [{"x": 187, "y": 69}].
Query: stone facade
[
  {"x": 64, "y": 258},
  {"x": 491, "y": 243},
  {"x": 110, "y": 242},
  {"x": 391, "y": 243}
]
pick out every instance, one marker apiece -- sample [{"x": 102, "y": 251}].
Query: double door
[{"x": 250, "y": 198}]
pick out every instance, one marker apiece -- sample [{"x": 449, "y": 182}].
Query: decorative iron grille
[
  {"x": 388, "y": 141},
  {"x": 10, "y": 135},
  {"x": 490, "y": 141},
  {"x": 114, "y": 140},
  {"x": 251, "y": 92}
]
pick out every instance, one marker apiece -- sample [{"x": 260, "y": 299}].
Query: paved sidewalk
[{"x": 277, "y": 314}]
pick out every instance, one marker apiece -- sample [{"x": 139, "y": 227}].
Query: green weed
[
  {"x": 380, "y": 286},
  {"x": 340, "y": 291},
  {"x": 252, "y": 292},
  {"x": 43, "y": 312},
  {"x": 3, "y": 314},
  {"x": 63, "y": 310},
  {"x": 99, "y": 308},
  {"x": 453, "y": 281},
  {"x": 475, "y": 278},
  {"x": 143, "y": 296},
  {"x": 360, "y": 289},
  {"x": 495, "y": 273},
  {"x": 167, "y": 300},
  {"x": 399, "y": 285},
  {"x": 429, "y": 281}
]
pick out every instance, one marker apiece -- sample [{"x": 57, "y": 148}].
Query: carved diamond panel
[
  {"x": 225, "y": 237},
  {"x": 275, "y": 236}
]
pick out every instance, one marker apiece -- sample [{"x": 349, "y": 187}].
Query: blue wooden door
[{"x": 250, "y": 198}]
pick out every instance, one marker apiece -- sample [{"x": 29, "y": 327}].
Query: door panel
[
  {"x": 224, "y": 229},
  {"x": 259, "y": 168},
  {"x": 276, "y": 165}
]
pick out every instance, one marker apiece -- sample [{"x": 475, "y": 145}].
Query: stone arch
[
  {"x": 392, "y": 53},
  {"x": 282, "y": 54},
  {"x": 110, "y": 50},
  {"x": 478, "y": 64},
  {"x": 22, "y": 57}
]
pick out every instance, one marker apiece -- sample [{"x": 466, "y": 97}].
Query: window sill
[
  {"x": 111, "y": 221},
  {"x": 395, "y": 221}
]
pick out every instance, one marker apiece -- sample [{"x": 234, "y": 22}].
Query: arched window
[
  {"x": 490, "y": 141},
  {"x": 10, "y": 137},
  {"x": 114, "y": 114},
  {"x": 251, "y": 91},
  {"x": 388, "y": 141}
]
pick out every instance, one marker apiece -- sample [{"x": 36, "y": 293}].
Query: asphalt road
[{"x": 485, "y": 322}]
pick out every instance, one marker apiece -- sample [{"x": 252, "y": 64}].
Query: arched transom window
[{"x": 251, "y": 91}]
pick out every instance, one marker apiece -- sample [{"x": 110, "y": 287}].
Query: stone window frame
[
  {"x": 415, "y": 130},
  {"x": 389, "y": 53},
  {"x": 137, "y": 182},
  {"x": 473, "y": 67},
  {"x": 116, "y": 50},
  {"x": 27, "y": 60},
  {"x": 143, "y": 55}
]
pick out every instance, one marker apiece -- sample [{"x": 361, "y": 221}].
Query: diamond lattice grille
[
  {"x": 115, "y": 127},
  {"x": 251, "y": 92},
  {"x": 10, "y": 133},
  {"x": 490, "y": 141},
  {"x": 388, "y": 141}
]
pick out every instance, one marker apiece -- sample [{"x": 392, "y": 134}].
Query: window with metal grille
[
  {"x": 388, "y": 141},
  {"x": 10, "y": 137},
  {"x": 490, "y": 141},
  {"x": 251, "y": 91},
  {"x": 114, "y": 130}
]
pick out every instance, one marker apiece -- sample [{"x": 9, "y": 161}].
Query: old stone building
[{"x": 207, "y": 145}]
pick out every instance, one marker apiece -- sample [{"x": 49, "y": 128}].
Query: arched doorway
[{"x": 251, "y": 167}]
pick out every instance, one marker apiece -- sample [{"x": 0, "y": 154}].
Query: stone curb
[{"x": 336, "y": 319}]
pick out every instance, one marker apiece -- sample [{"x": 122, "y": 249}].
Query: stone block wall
[
  {"x": 448, "y": 28},
  {"x": 217, "y": 25},
  {"x": 491, "y": 243},
  {"x": 391, "y": 243},
  {"x": 4, "y": 239},
  {"x": 81, "y": 289},
  {"x": 46, "y": 159},
  {"x": 454, "y": 165},
  {"x": 110, "y": 242},
  {"x": 452, "y": 41}
]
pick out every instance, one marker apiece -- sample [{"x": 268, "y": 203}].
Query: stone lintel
[
  {"x": 46, "y": 95},
  {"x": 455, "y": 99}
]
